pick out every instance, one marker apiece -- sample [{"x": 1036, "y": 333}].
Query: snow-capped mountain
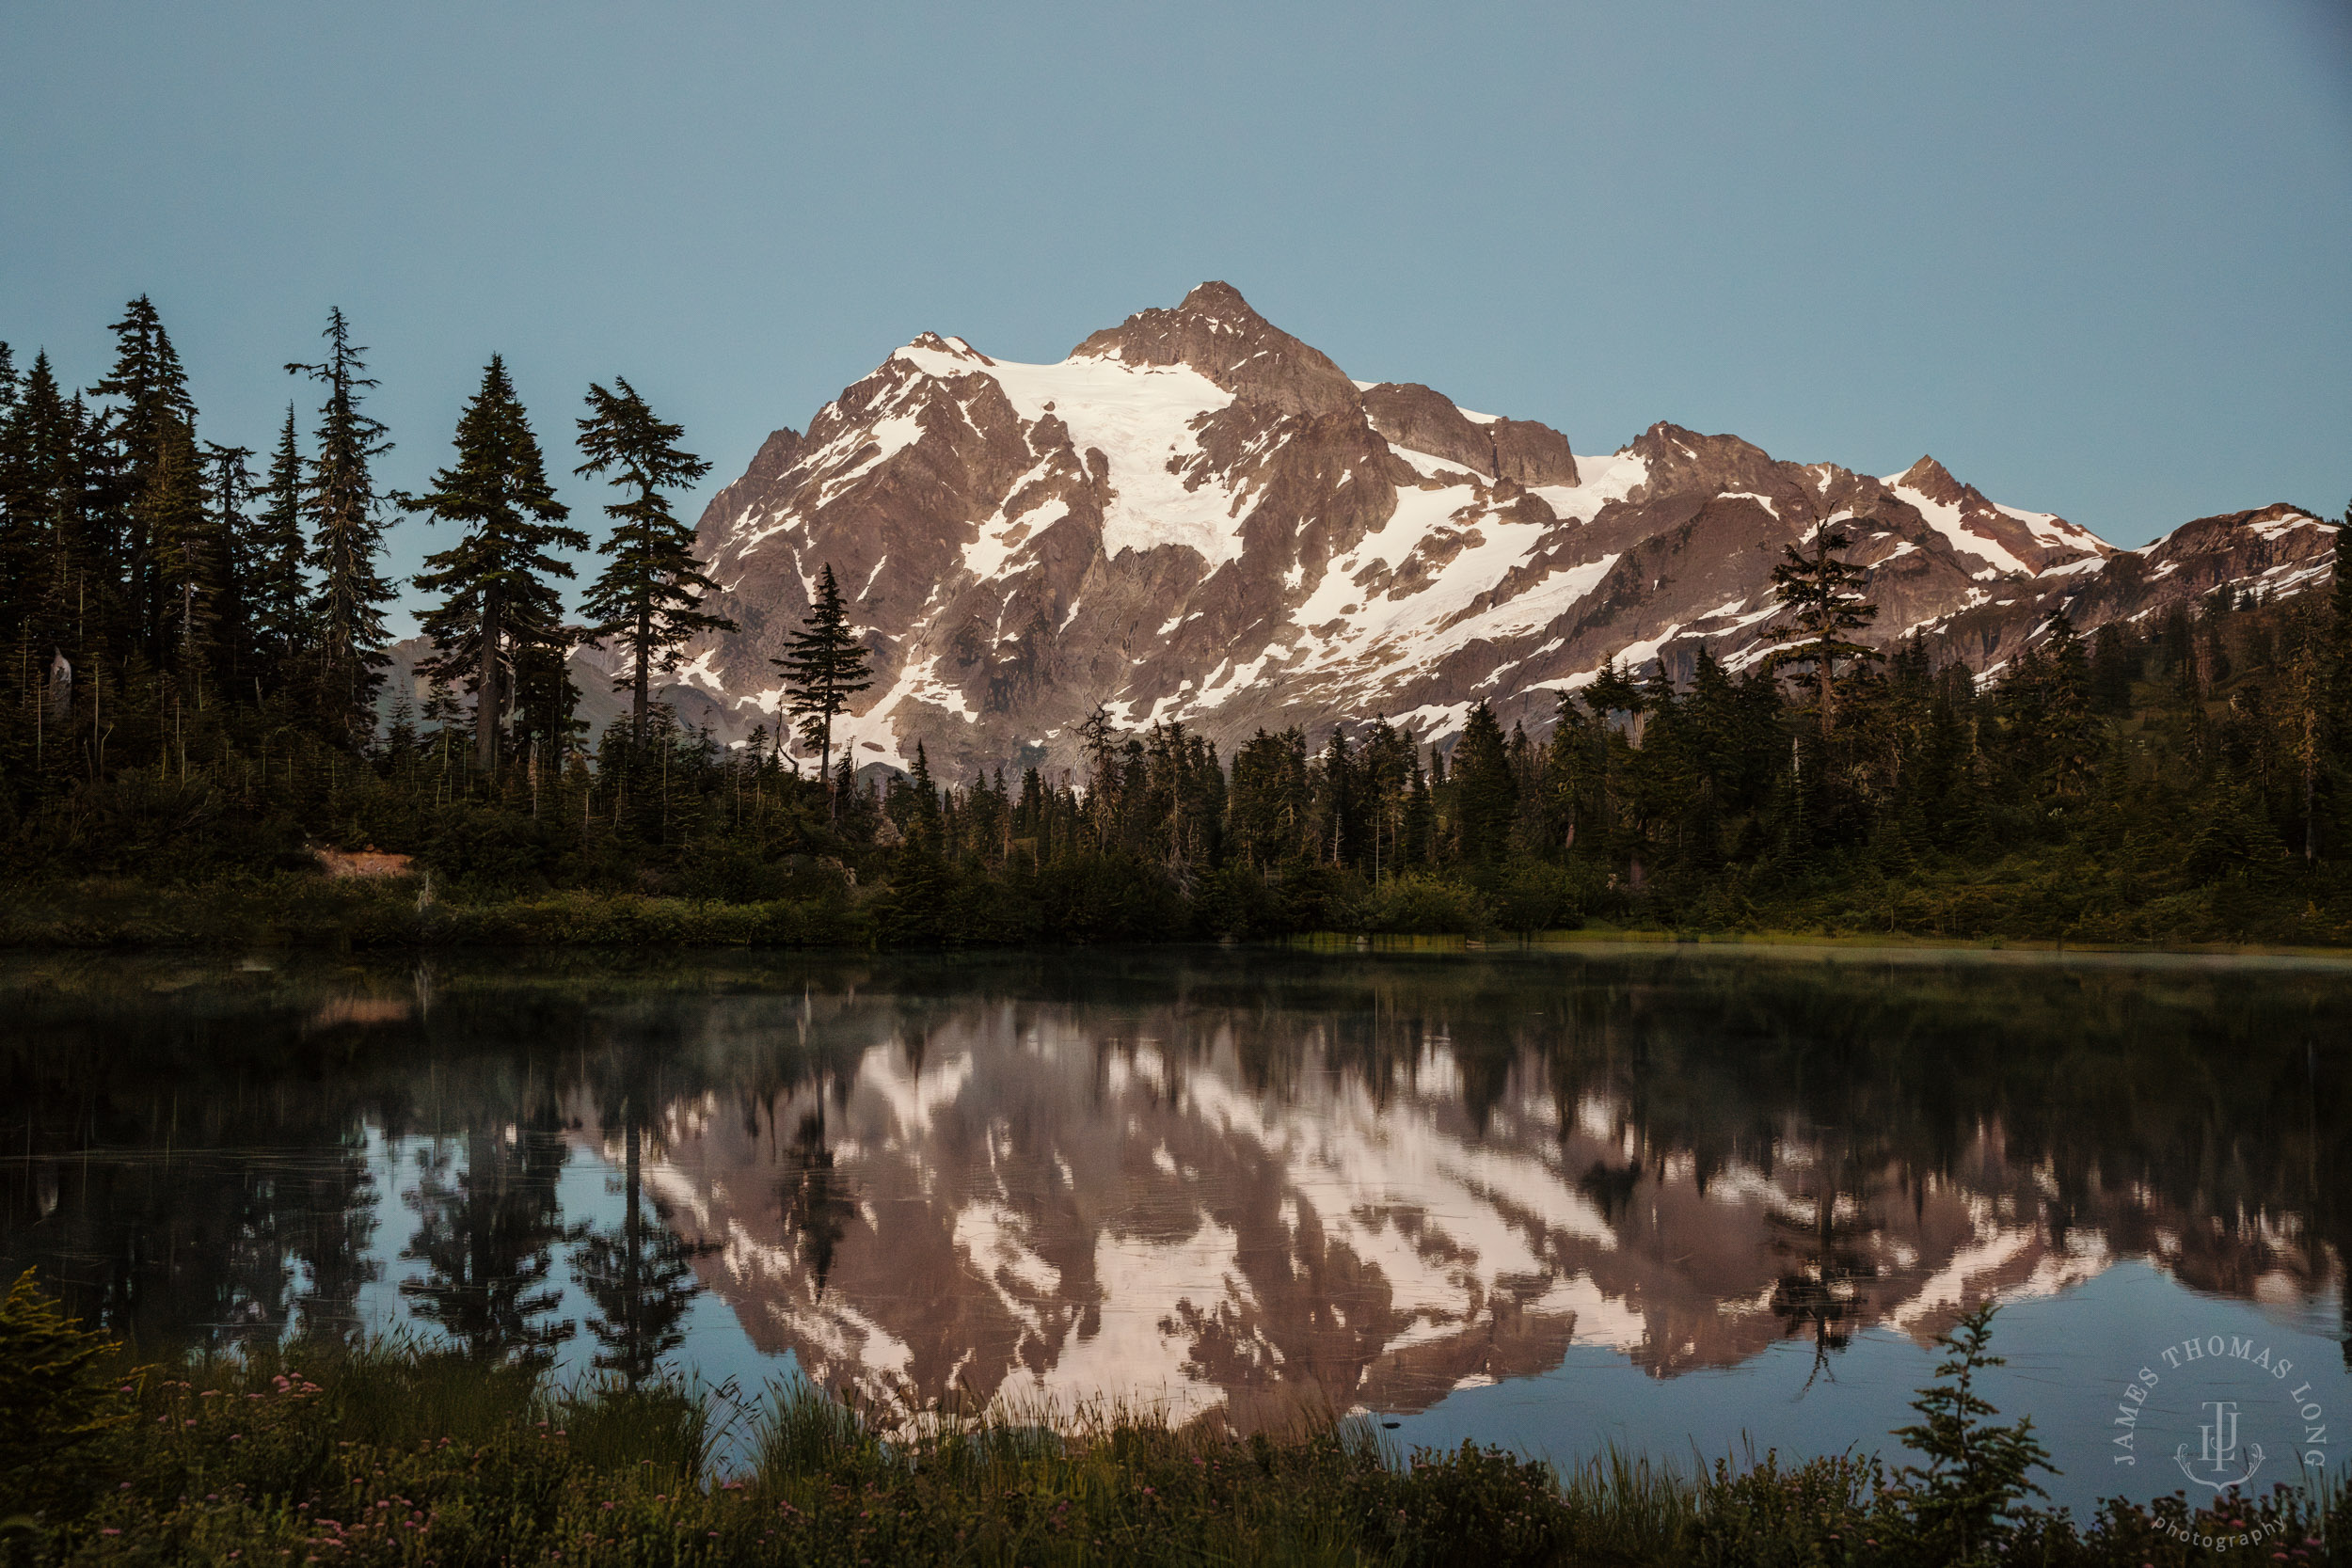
[{"x": 1197, "y": 516}]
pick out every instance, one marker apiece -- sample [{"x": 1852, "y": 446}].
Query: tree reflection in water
[
  {"x": 486, "y": 1238},
  {"x": 639, "y": 1272},
  {"x": 1242, "y": 1178},
  {"x": 814, "y": 1204}
]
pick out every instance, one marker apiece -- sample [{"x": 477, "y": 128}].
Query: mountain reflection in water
[{"x": 1223, "y": 1180}]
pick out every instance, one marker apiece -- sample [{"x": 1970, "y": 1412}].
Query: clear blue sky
[{"x": 2097, "y": 257}]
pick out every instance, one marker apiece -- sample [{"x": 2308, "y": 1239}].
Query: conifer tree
[
  {"x": 445, "y": 716},
  {"x": 153, "y": 485},
  {"x": 925, "y": 791},
  {"x": 2115, "y": 658},
  {"x": 1613, "y": 691},
  {"x": 1819, "y": 590},
  {"x": 275, "y": 591},
  {"x": 228, "y": 484},
  {"x": 1098, "y": 740},
  {"x": 1418, "y": 831},
  {"x": 2045, "y": 701},
  {"x": 2306, "y": 687},
  {"x": 1964, "y": 1499},
  {"x": 544, "y": 702},
  {"x": 824, "y": 665},
  {"x": 497, "y": 607},
  {"x": 649, "y": 599},
  {"x": 1485, "y": 789},
  {"x": 18, "y": 541},
  {"x": 48, "y": 516},
  {"x": 1268, "y": 805},
  {"x": 346, "y": 617},
  {"x": 148, "y": 378},
  {"x": 1388, "y": 755},
  {"x": 184, "y": 570}
]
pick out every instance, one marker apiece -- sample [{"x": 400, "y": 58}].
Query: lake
[{"x": 1690, "y": 1202}]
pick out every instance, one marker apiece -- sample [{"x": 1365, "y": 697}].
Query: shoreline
[
  {"x": 400, "y": 915},
  {"x": 1818, "y": 944}
]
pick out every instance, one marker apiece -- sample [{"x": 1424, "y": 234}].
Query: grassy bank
[
  {"x": 1799, "y": 943},
  {"x": 381, "y": 1455},
  {"x": 295, "y": 909}
]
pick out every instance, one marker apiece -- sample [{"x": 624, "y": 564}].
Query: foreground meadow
[{"x": 399, "y": 1455}]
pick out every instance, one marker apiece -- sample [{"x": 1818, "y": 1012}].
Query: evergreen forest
[{"x": 196, "y": 705}]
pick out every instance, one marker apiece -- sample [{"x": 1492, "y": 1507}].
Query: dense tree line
[
  {"x": 195, "y": 693},
  {"x": 194, "y": 653}
]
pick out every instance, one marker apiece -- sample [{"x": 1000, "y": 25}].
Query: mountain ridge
[{"x": 1197, "y": 516}]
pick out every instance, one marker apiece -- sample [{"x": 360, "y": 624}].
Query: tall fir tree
[
  {"x": 18, "y": 548},
  {"x": 101, "y": 611},
  {"x": 276, "y": 593},
  {"x": 48, "y": 515},
  {"x": 227, "y": 485},
  {"x": 347, "y": 618},
  {"x": 184, "y": 572},
  {"x": 824, "y": 665},
  {"x": 1820, "y": 591},
  {"x": 649, "y": 598},
  {"x": 149, "y": 490},
  {"x": 1485, "y": 791},
  {"x": 500, "y": 615}
]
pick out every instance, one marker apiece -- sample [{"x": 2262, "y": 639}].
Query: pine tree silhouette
[
  {"x": 649, "y": 599},
  {"x": 346, "y": 619},
  {"x": 499, "y": 607},
  {"x": 824, "y": 665},
  {"x": 1819, "y": 590}
]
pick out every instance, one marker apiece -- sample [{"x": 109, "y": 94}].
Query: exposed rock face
[
  {"x": 1424, "y": 420},
  {"x": 1197, "y": 516},
  {"x": 1215, "y": 332},
  {"x": 2004, "y": 538},
  {"x": 2269, "y": 553}
]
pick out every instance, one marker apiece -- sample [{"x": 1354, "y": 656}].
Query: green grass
[{"x": 398, "y": 1454}]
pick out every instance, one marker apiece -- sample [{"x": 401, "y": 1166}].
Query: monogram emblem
[{"x": 2220, "y": 1451}]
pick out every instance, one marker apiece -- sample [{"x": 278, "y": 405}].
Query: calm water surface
[{"x": 1680, "y": 1200}]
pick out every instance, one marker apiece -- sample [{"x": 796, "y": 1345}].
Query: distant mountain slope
[{"x": 1198, "y": 516}]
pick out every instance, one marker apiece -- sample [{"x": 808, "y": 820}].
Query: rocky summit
[{"x": 1197, "y": 517}]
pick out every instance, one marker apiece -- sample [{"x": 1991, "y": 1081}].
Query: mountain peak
[
  {"x": 1217, "y": 300},
  {"x": 926, "y": 347},
  {"x": 1931, "y": 480},
  {"x": 1217, "y": 332}
]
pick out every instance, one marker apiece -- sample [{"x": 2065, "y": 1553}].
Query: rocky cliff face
[{"x": 1197, "y": 516}]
